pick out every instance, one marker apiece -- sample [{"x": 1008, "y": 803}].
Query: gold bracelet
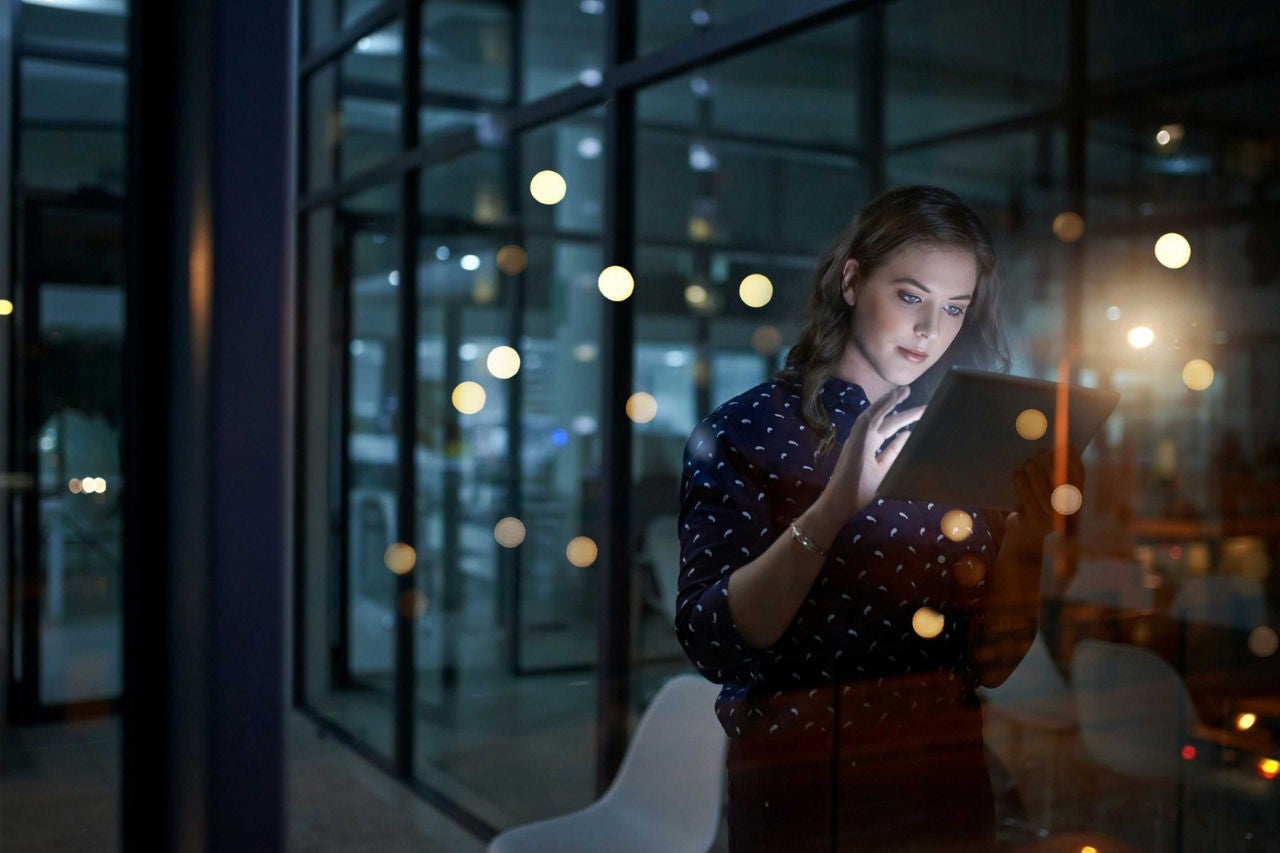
[{"x": 805, "y": 542}]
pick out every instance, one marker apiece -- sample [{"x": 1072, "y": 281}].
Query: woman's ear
[{"x": 847, "y": 279}]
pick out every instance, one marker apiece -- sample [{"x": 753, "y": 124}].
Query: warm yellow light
[
  {"x": 512, "y": 259},
  {"x": 1031, "y": 424},
  {"x": 696, "y": 295},
  {"x": 413, "y": 603},
  {"x": 75, "y": 486},
  {"x": 1197, "y": 374},
  {"x": 1068, "y": 226},
  {"x": 1169, "y": 133},
  {"x": 1245, "y": 721},
  {"x": 970, "y": 570},
  {"x": 503, "y": 362},
  {"x": 641, "y": 407},
  {"x": 1141, "y": 337},
  {"x": 468, "y": 397},
  {"x": 957, "y": 525},
  {"x": 400, "y": 557},
  {"x": 927, "y": 622},
  {"x": 509, "y": 532},
  {"x": 1066, "y": 499},
  {"x": 766, "y": 340},
  {"x": 585, "y": 352},
  {"x": 1268, "y": 767},
  {"x": 1263, "y": 641},
  {"x": 1088, "y": 848},
  {"x": 6, "y": 307},
  {"x": 1173, "y": 250},
  {"x": 756, "y": 290},
  {"x": 548, "y": 187},
  {"x": 699, "y": 229},
  {"x": 484, "y": 291},
  {"x": 616, "y": 283},
  {"x": 582, "y": 551}
]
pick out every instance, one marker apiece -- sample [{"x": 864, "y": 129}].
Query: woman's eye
[
  {"x": 909, "y": 298},
  {"x": 954, "y": 310}
]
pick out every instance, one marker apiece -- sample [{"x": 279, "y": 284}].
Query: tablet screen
[{"x": 980, "y": 427}]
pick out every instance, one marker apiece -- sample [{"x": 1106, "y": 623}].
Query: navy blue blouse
[{"x": 750, "y": 468}]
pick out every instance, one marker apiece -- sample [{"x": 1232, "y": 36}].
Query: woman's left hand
[{"x": 1034, "y": 483}]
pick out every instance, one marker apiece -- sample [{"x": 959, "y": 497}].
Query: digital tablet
[{"x": 980, "y": 428}]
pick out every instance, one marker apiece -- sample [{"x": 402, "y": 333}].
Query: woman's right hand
[{"x": 860, "y": 468}]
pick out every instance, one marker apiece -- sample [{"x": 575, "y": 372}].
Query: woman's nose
[{"x": 927, "y": 329}]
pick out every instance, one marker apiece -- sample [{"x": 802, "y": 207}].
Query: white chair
[
  {"x": 1034, "y": 697},
  {"x": 668, "y": 791}
]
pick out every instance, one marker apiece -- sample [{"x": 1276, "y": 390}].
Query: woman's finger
[
  {"x": 891, "y": 450},
  {"x": 885, "y": 404},
  {"x": 896, "y": 421}
]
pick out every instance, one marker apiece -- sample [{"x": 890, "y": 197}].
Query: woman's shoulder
[{"x": 770, "y": 400}]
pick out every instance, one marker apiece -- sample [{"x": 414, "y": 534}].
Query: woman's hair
[{"x": 895, "y": 220}]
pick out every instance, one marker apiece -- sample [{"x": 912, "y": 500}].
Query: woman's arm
[{"x": 766, "y": 593}]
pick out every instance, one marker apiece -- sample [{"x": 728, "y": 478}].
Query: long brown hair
[{"x": 907, "y": 216}]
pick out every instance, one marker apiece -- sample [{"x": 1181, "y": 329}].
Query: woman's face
[{"x": 906, "y": 314}]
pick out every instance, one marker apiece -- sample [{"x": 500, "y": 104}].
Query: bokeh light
[
  {"x": 585, "y": 352},
  {"x": 1268, "y": 768},
  {"x": 642, "y": 407},
  {"x": 970, "y": 570},
  {"x": 1031, "y": 424},
  {"x": 75, "y": 486},
  {"x": 512, "y": 259},
  {"x": 6, "y": 307},
  {"x": 484, "y": 291},
  {"x": 1068, "y": 226},
  {"x": 696, "y": 295},
  {"x": 1066, "y": 499},
  {"x": 503, "y": 362},
  {"x": 766, "y": 341},
  {"x": 957, "y": 525},
  {"x": 548, "y": 187},
  {"x": 470, "y": 263},
  {"x": 1141, "y": 337},
  {"x": 582, "y": 551},
  {"x": 1245, "y": 721},
  {"x": 927, "y": 622},
  {"x": 468, "y": 397},
  {"x": 1263, "y": 641},
  {"x": 699, "y": 229},
  {"x": 509, "y": 532},
  {"x": 1113, "y": 312},
  {"x": 1197, "y": 374},
  {"x": 400, "y": 557},
  {"x": 616, "y": 283},
  {"x": 756, "y": 290},
  {"x": 413, "y": 603},
  {"x": 1173, "y": 250}
]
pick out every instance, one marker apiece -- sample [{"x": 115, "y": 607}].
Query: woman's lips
[{"x": 913, "y": 356}]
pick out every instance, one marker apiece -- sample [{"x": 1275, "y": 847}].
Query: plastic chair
[
  {"x": 1035, "y": 697},
  {"x": 667, "y": 794}
]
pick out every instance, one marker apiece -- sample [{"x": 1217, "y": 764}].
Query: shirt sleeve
[{"x": 724, "y": 524}]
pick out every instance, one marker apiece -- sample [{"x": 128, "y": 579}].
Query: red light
[
  {"x": 1268, "y": 768},
  {"x": 1188, "y": 752},
  {"x": 1176, "y": 552}
]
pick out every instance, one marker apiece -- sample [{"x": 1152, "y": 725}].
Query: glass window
[
  {"x": 563, "y": 45},
  {"x": 353, "y": 110},
  {"x": 663, "y": 22},
  {"x": 324, "y": 19},
  {"x": 100, "y": 26},
  {"x": 951, "y": 66},
  {"x": 71, "y": 130}
]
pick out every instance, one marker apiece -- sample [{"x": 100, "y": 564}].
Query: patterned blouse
[{"x": 892, "y": 600}]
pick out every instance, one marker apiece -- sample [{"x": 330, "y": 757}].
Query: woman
[{"x": 849, "y": 632}]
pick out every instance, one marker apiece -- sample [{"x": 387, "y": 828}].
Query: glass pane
[
  {"x": 353, "y": 110},
  {"x": 952, "y": 66},
  {"x": 509, "y": 484},
  {"x": 352, "y": 281},
  {"x": 98, "y": 26},
  {"x": 1126, "y": 37},
  {"x": 71, "y": 130},
  {"x": 663, "y": 22},
  {"x": 467, "y": 50},
  {"x": 324, "y": 19},
  {"x": 563, "y": 44}
]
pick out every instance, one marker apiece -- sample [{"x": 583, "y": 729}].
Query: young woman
[{"x": 849, "y": 632}]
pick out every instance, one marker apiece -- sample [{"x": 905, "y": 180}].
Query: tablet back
[{"x": 979, "y": 428}]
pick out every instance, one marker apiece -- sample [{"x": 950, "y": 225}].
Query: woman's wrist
[{"x": 820, "y": 525}]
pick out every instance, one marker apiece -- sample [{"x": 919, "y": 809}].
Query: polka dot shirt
[{"x": 750, "y": 468}]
